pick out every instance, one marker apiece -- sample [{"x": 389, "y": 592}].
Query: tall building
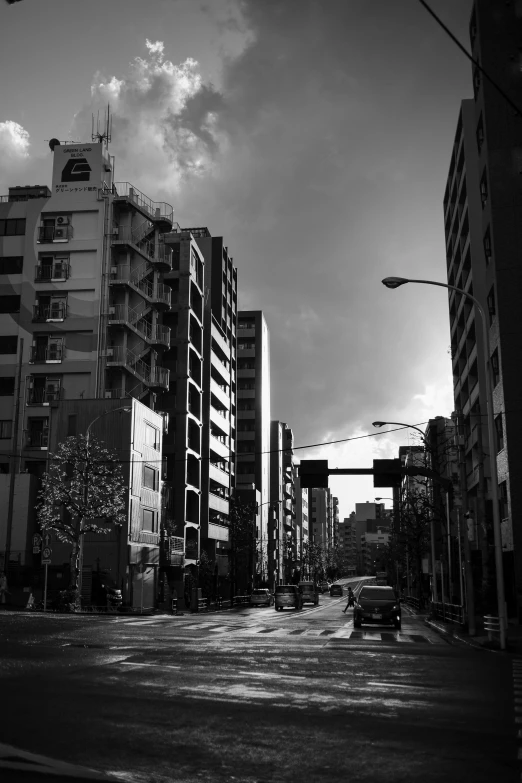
[
  {"x": 253, "y": 424},
  {"x": 81, "y": 311},
  {"x": 301, "y": 518},
  {"x": 347, "y": 543},
  {"x": 482, "y": 201}
]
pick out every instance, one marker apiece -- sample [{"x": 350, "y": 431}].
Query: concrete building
[
  {"x": 348, "y": 545},
  {"x": 482, "y": 200},
  {"x": 284, "y": 551},
  {"x": 253, "y": 424},
  {"x": 82, "y": 303},
  {"x": 372, "y": 550},
  {"x": 301, "y": 518}
]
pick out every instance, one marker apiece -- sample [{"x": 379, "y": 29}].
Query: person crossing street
[{"x": 351, "y": 600}]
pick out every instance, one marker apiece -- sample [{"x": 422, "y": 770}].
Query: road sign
[
  {"x": 37, "y": 539},
  {"x": 46, "y": 555},
  {"x": 47, "y": 539}
]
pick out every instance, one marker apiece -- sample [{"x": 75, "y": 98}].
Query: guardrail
[
  {"x": 410, "y": 600},
  {"x": 491, "y": 625},
  {"x": 450, "y": 613}
]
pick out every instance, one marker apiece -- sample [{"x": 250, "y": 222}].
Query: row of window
[{"x": 12, "y": 227}]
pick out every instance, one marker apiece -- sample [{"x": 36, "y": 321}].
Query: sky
[{"x": 315, "y": 137}]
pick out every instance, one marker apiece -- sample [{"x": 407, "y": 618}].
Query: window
[
  {"x": 484, "y": 188},
  {"x": 491, "y": 304},
  {"x": 6, "y": 428},
  {"x": 9, "y": 344},
  {"x": 11, "y": 265},
  {"x": 10, "y": 303},
  {"x": 72, "y": 424},
  {"x": 7, "y": 387},
  {"x": 150, "y": 477},
  {"x": 499, "y": 427},
  {"x": 495, "y": 368},
  {"x": 148, "y": 521},
  {"x": 151, "y": 436},
  {"x": 487, "y": 245},
  {"x": 503, "y": 500},
  {"x": 480, "y": 134},
  {"x": 12, "y": 227}
]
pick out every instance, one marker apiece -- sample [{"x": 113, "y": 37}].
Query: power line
[{"x": 470, "y": 57}]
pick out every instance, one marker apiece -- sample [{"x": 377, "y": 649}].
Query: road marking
[{"x": 157, "y": 665}]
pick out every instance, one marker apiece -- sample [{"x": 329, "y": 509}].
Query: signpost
[
  {"x": 37, "y": 544},
  {"x": 46, "y": 561}
]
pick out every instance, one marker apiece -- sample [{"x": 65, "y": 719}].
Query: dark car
[
  {"x": 288, "y": 595},
  {"x": 105, "y": 591},
  {"x": 377, "y": 605},
  {"x": 261, "y": 597},
  {"x": 336, "y": 590}
]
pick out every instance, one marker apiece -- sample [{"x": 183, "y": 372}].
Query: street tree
[
  {"x": 82, "y": 492},
  {"x": 242, "y": 543},
  {"x": 313, "y": 561}
]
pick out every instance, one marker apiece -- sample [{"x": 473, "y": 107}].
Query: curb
[{"x": 452, "y": 633}]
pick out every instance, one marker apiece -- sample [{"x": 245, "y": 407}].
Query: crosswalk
[{"x": 341, "y": 633}]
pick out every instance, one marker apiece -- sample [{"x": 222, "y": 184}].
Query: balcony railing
[
  {"x": 53, "y": 312},
  {"x": 57, "y": 271},
  {"x": 43, "y": 396},
  {"x": 49, "y": 353},
  {"x": 36, "y": 440},
  {"x": 54, "y": 234},
  {"x": 157, "y": 377},
  {"x": 153, "y": 333},
  {"x": 158, "y": 211},
  {"x": 139, "y": 279}
]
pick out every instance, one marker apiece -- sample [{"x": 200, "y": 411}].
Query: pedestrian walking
[
  {"x": 350, "y": 601},
  {"x": 4, "y": 592}
]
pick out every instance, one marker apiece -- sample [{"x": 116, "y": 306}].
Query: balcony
[
  {"x": 43, "y": 395},
  {"x": 52, "y": 234},
  {"x": 219, "y": 447},
  {"x": 36, "y": 440},
  {"x": 159, "y": 212},
  {"x": 155, "y": 377},
  {"x": 218, "y": 475},
  {"x": 219, "y": 420},
  {"x": 138, "y": 279},
  {"x": 50, "y": 313},
  {"x": 176, "y": 550},
  {"x": 154, "y": 334},
  {"x": 50, "y": 354},
  {"x": 220, "y": 393},
  {"x": 218, "y": 503},
  {"x": 56, "y": 272}
]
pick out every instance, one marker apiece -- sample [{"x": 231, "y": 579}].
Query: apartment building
[
  {"x": 253, "y": 424},
  {"x": 347, "y": 544},
  {"x": 301, "y": 518},
  {"x": 481, "y": 204},
  {"x": 82, "y": 301}
]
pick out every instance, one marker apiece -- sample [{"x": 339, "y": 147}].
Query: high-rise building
[
  {"x": 482, "y": 201},
  {"x": 284, "y": 554},
  {"x": 81, "y": 311},
  {"x": 253, "y": 423}
]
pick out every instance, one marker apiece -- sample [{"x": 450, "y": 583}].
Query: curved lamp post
[
  {"x": 395, "y": 282},
  {"x": 125, "y": 409}
]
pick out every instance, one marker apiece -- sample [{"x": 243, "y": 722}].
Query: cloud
[
  {"x": 15, "y": 159},
  {"x": 164, "y": 128}
]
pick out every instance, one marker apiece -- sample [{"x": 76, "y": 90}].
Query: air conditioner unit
[
  {"x": 116, "y": 231},
  {"x": 108, "y": 395},
  {"x": 109, "y": 352},
  {"x": 114, "y": 270},
  {"x": 60, "y": 233},
  {"x": 62, "y": 220},
  {"x": 112, "y": 310}
]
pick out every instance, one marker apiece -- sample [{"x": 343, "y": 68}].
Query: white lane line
[{"x": 157, "y": 665}]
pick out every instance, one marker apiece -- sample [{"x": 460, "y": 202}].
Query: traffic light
[
  {"x": 313, "y": 473},
  {"x": 387, "y": 473}
]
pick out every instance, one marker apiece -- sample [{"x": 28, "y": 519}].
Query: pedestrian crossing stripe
[{"x": 344, "y": 633}]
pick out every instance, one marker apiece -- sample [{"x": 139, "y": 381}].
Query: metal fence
[{"x": 450, "y": 613}]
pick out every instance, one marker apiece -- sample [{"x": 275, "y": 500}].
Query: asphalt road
[{"x": 254, "y": 695}]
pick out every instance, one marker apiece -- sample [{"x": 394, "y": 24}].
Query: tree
[
  {"x": 82, "y": 492},
  {"x": 313, "y": 561},
  {"x": 242, "y": 542}
]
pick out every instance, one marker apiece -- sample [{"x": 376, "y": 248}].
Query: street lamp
[
  {"x": 395, "y": 282},
  {"x": 123, "y": 409}
]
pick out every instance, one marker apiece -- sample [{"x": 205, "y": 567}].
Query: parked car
[
  {"x": 261, "y": 597},
  {"x": 105, "y": 591},
  {"x": 336, "y": 590},
  {"x": 309, "y": 592},
  {"x": 288, "y": 595},
  {"x": 376, "y": 604},
  {"x": 324, "y": 587}
]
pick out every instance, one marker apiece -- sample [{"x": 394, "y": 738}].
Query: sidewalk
[{"x": 480, "y": 640}]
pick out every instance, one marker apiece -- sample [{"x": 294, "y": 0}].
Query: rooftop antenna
[{"x": 102, "y": 136}]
